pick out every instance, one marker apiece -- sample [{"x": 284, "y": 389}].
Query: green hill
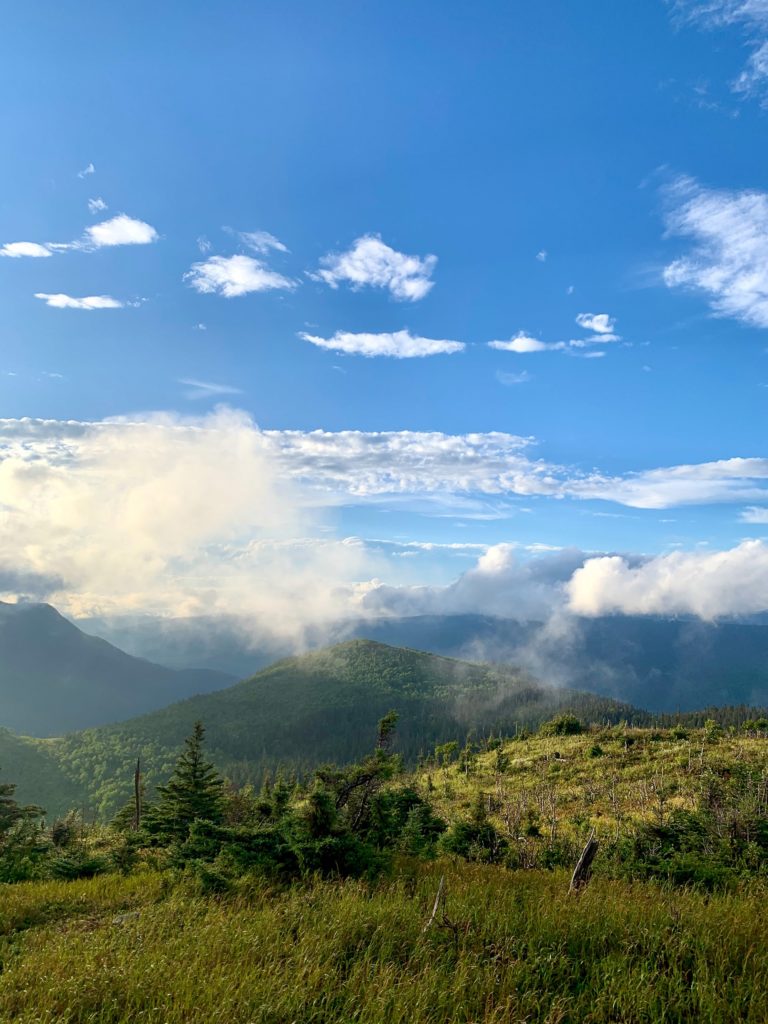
[{"x": 307, "y": 710}]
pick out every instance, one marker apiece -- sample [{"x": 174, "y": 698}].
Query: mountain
[
  {"x": 663, "y": 664},
  {"x": 307, "y": 710},
  {"x": 54, "y": 678}
]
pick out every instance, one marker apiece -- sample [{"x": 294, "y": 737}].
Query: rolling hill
[
  {"x": 304, "y": 711},
  {"x": 54, "y": 678},
  {"x": 659, "y": 663}
]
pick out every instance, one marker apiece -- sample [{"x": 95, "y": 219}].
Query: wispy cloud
[
  {"x": 90, "y": 169},
  {"x": 754, "y": 514},
  {"x": 729, "y": 260},
  {"x": 601, "y": 324},
  {"x": 261, "y": 241},
  {"x": 541, "y": 255},
  {"x": 231, "y": 276},
  {"x": 198, "y": 389},
  {"x": 509, "y": 379},
  {"x": 399, "y": 344},
  {"x": 16, "y": 250},
  {"x": 370, "y": 262},
  {"x": 96, "y": 205},
  {"x": 749, "y": 15},
  {"x": 60, "y": 301},
  {"x": 524, "y": 344}
]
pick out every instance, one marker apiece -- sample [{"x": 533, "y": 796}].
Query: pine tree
[
  {"x": 10, "y": 811},
  {"x": 194, "y": 790}
]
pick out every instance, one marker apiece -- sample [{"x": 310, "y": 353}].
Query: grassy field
[{"x": 516, "y": 948}]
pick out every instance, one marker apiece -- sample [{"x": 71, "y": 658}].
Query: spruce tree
[
  {"x": 193, "y": 791},
  {"x": 10, "y": 811}
]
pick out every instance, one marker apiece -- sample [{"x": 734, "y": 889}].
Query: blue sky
[{"x": 590, "y": 179}]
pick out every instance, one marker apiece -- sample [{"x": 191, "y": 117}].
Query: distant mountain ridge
[
  {"x": 54, "y": 678},
  {"x": 304, "y": 711},
  {"x": 663, "y": 664}
]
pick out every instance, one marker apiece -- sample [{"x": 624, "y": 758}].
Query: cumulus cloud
[
  {"x": 373, "y": 263},
  {"x": 60, "y": 301},
  {"x": 707, "y": 584},
  {"x": 122, "y": 511},
  {"x": 729, "y": 260},
  {"x": 96, "y": 205},
  {"x": 30, "y": 249},
  {"x": 599, "y": 323},
  {"x": 231, "y": 276},
  {"x": 120, "y": 230},
  {"x": 399, "y": 344}
]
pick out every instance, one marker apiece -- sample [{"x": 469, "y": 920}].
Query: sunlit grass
[{"x": 516, "y": 948}]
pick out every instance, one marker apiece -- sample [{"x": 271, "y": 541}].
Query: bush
[{"x": 563, "y": 725}]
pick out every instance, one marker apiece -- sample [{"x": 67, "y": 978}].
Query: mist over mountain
[
  {"x": 298, "y": 713},
  {"x": 654, "y": 662},
  {"x": 54, "y": 678}
]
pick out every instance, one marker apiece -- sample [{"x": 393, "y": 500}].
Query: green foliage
[
  {"x": 563, "y": 725},
  {"x": 194, "y": 791}
]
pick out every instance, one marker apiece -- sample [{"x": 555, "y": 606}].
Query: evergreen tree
[
  {"x": 10, "y": 811},
  {"x": 194, "y": 791}
]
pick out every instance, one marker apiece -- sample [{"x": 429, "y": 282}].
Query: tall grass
[{"x": 516, "y": 948}]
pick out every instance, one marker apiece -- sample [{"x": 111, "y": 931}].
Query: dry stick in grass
[
  {"x": 580, "y": 875},
  {"x": 439, "y": 899}
]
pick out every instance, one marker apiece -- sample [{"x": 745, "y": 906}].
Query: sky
[{"x": 306, "y": 308}]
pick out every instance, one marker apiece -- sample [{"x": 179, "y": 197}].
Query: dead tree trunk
[
  {"x": 137, "y": 796},
  {"x": 582, "y": 871},
  {"x": 439, "y": 899}
]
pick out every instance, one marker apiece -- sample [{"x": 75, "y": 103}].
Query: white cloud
[
  {"x": 541, "y": 256},
  {"x": 18, "y": 249},
  {"x": 235, "y": 275},
  {"x": 60, "y": 301},
  {"x": 508, "y": 379},
  {"x": 261, "y": 241},
  {"x": 599, "y": 323},
  {"x": 90, "y": 169},
  {"x": 752, "y": 17},
  {"x": 754, "y": 514},
  {"x": 524, "y": 344},
  {"x": 371, "y": 262},
  {"x": 399, "y": 344},
  {"x": 120, "y": 230},
  {"x": 707, "y": 584},
  {"x": 729, "y": 261},
  {"x": 205, "y": 389},
  {"x": 96, "y": 205},
  {"x": 203, "y": 244}
]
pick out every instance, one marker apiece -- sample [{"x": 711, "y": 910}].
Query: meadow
[{"x": 514, "y": 947}]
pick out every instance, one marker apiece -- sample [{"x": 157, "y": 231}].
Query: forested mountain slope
[{"x": 54, "y": 678}]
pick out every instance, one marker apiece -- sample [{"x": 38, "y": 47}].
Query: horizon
[{"x": 396, "y": 312}]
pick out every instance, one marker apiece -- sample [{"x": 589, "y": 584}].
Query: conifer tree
[
  {"x": 194, "y": 790},
  {"x": 10, "y": 811}
]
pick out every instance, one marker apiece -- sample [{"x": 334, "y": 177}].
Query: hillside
[
  {"x": 662, "y": 664},
  {"x": 312, "y": 709},
  {"x": 54, "y": 678}
]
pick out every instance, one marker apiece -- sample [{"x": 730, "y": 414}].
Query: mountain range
[{"x": 54, "y": 678}]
